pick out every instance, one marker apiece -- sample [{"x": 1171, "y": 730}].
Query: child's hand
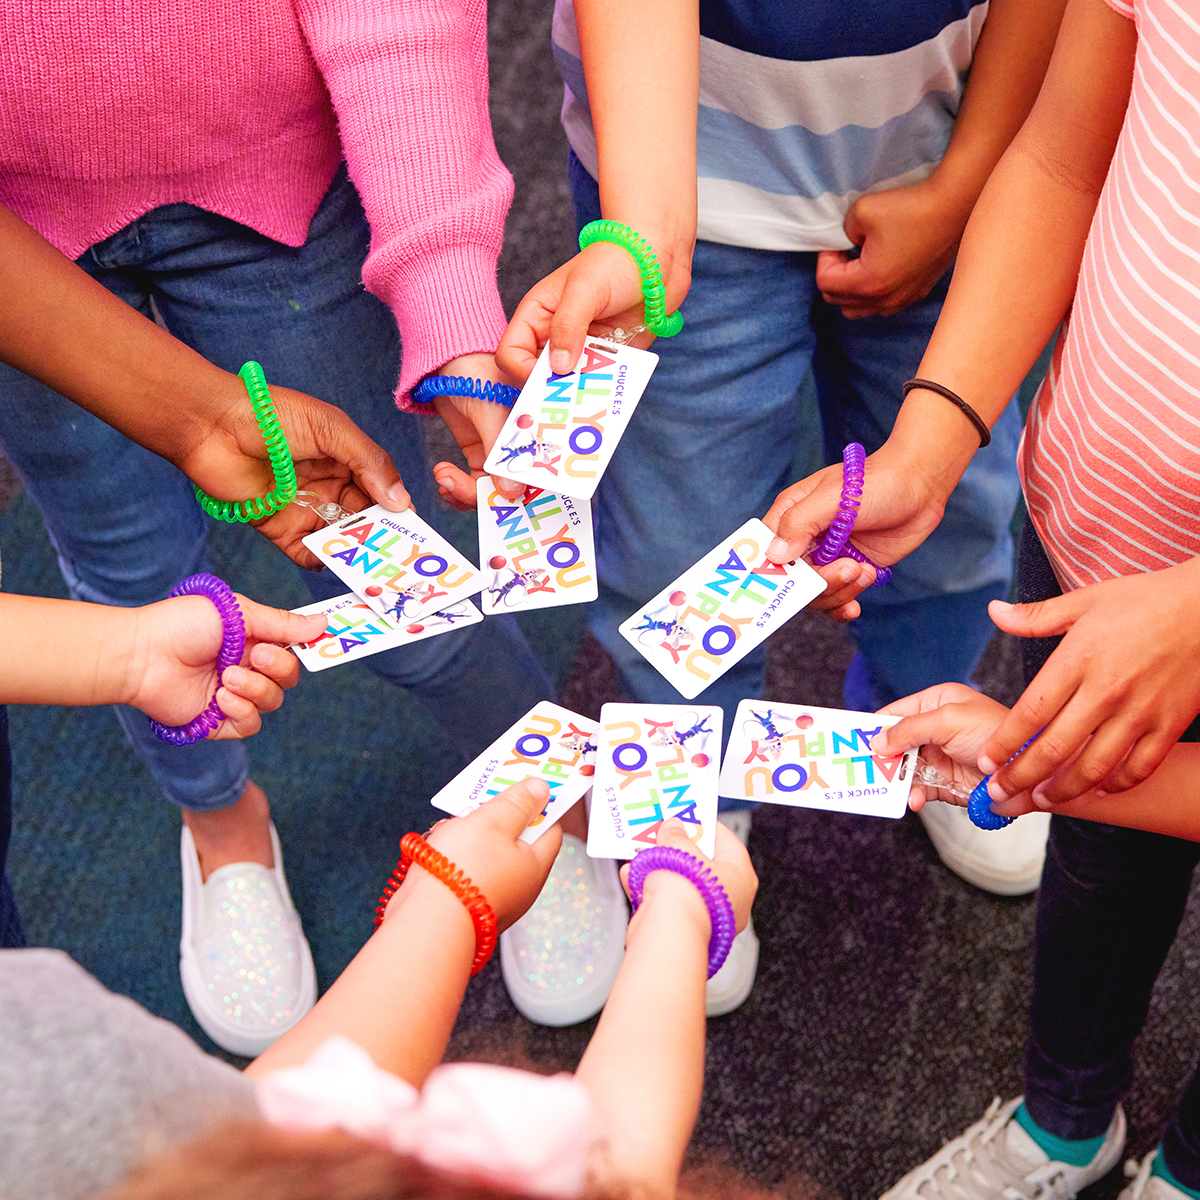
[
  {"x": 951, "y": 722},
  {"x": 900, "y": 508},
  {"x": 173, "y": 652},
  {"x": 333, "y": 458},
  {"x": 476, "y": 425},
  {"x": 486, "y": 846},
  {"x": 1117, "y": 692},
  {"x": 908, "y": 238},
  {"x": 600, "y": 287},
  {"x": 730, "y": 863}
]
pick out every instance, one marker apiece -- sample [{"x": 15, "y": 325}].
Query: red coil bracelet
[{"x": 415, "y": 849}]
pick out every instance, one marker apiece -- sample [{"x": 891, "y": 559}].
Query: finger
[
  {"x": 1015, "y": 806},
  {"x": 582, "y": 302},
  {"x": 926, "y": 701},
  {"x": 834, "y": 268},
  {"x": 242, "y": 718},
  {"x": 845, "y": 579},
  {"x": 1106, "y": 750},
  {"x": 1045, "y": 618},
  {"x": 673, "y": 832},
  {"x": 517, "y": 353},
  {"x": 265, "y": 624},
  {"x": 264, "y": 693},
  {"x": 276, "y": 664},
  {"x": 1058, "y": 742},
  {"x": 456, "y": 486},
  {"x": 848, "y": 612},
  {"x": 1040, "y": 703},
  {"x": 936, "y": 727},
  {"x": 512, "y": 810},
  {"x": 1141, "y": 762},
  {"x": 802, "y": 513}
]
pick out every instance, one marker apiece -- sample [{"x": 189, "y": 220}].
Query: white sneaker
[
  {"x": 1005, "y": 862},
  {"x": 246, "y": 967},
  {"x": 997, "y": 1160},
  {"x": 561, "y": 959},
  {"x": 1145, "y": 1186},
  {"x": 730, "y": 986}
]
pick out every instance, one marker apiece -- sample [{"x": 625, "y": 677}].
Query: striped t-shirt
[
  {"x": 1110, "y": 460},
  {"x": 804, "y": 107}
]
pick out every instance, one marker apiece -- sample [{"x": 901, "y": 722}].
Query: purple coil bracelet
[
  {"x": 836, "y": 542},
  {"x": 233, "y": 645},
  {"x": 720, "y": 911}
]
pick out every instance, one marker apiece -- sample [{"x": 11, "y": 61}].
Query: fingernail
[
  {"x": 397, "y": 494},
  {"x": 1099, "y": 793},
  {"x": 1003, "y": 605},
  {"x": 777, "y": 550},
  {"x": 234, "y": 676},
  {"x": 996, "y": 792},
  {"x": 987, "y": 766},
  {"x": 879, "y": 744},
  {"x": 560, "y": 361},
  {"x": 1039, "y": 796}
]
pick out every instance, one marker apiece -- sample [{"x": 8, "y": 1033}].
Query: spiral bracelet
[
  {"x": 979, "y": 806},
  {"x": 720, "y": 910},
  {"x": 233, "y": 646},
  {"x": 836, "y": 542},
  {"x": 277, "y": 450},
  {"x": 463, "y": 385},
  {"x": 654, "y": 295},
  {"x": 415, "y": 849}
]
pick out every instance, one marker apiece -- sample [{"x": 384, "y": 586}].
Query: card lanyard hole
[{"x": 330, "y": 511}]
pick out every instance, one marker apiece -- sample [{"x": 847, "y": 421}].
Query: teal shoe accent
[
  {"x": 1161, "y": 1169},
  {"x": 1073, "y": 1153}
]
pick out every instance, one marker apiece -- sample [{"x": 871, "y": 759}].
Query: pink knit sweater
[{"x": 109, "y": 108}]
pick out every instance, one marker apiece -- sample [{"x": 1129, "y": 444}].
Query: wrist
[
  {"x": 669, "y": 900},
  {"x": 933, "y": 441}
]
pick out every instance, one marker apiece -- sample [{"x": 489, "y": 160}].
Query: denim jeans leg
[
  {"x": 929, "y": 624},
  {"x": 1108, "y": 909},
  {"x": 12, "y": 936},
  {"x": 125, "y": 526},
  {"x": 710, "y": 444},
  {"x": 303, "y": 314}
]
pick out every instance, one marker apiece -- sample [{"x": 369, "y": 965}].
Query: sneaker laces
[
  {"x": 983, "y": 1167},
  {"x": 1140, "y": 1174}
]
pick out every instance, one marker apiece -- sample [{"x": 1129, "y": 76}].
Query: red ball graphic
[
  {"x": 524, "y": 421},
  {"x": 374, "y": 590},
  {"x": 699, "y": 760},
  {"x": 677, "y": 598},
  {"x": 497, "y": 561},
  {"x": 804, "y": 722},
  {"x": 587, "y": 769},
  {"x": 415, "y": 629}
]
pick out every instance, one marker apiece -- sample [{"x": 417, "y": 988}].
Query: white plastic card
[
  {"x": 811, "y": 757},
  {"x": 536, "y": 551},
  {"x": 717, "y": 611},
  {"x": 563, "y": 429},
  {"x": 355, "y": 630},
  {"x": 396, "y": 562},
  {"x": 550, "y": 743},
  {"x": 653, "y": 762}
]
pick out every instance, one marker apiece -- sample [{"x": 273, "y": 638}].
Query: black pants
[
  {"x": 11, "y": 934},
  {"x": 1108, "y": 910}
]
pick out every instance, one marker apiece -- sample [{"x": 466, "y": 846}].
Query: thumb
[
  {"x": 1045, "y": 618},
  {"x": 921, "y": 729},
  {"x": 835, "y": 270},
  {"x": 265, "y": 624},
  {"x": 513, "y": 809},
  {"x": 673, "y": 832},
  {"x": 802, "y": 512}
]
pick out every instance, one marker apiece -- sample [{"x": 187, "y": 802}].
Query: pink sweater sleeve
[{"x": 408, "y": 80}]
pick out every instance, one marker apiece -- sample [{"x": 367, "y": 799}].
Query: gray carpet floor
[{"x": 890, "y": 1003}]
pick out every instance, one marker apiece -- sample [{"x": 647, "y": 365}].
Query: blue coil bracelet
[
  {"x": 720, "y": 910},
  {"x": 233, "y": 646},
  {"x": 836, "y": 542},
  {"x": 433, "y": 386}
]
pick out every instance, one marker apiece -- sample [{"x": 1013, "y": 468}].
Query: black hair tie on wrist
[{"x": 985, "y": 436}]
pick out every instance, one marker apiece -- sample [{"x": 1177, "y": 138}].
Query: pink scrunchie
[{"x": 509, "y": 1128}]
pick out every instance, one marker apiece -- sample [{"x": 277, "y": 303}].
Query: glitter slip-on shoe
[
  {"x": 561, "y": 959},
  {"x": 246, "y": 967}
]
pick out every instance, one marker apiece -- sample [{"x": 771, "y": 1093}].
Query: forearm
[
  {"x": 67, "y": 652},
  {"x": 400, "y": 995},
  {"x": 1018, "y": 265},
  {"x": 60, "y": 326},
  {"x": 642, "y": 63},
  {"x": 644, "y": 1066}
]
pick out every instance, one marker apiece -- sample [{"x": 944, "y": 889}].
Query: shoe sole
[
  {"x": 986, "y": 879},
  {"x": 720, "y": 1005}
]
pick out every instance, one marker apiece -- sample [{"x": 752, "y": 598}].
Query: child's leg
[
  {"x": 710, "y": 444},
  {"x": 304, "y": 315},
  {"x": 930, "y": 624},
  {"x": 1109, "y": 906}
]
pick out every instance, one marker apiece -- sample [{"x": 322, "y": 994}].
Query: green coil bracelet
[
  {"x": 654, "y": 295},
  {"x": 277, "y": 450}
]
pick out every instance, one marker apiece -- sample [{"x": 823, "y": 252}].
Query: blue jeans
[
  {"x": 713, "y": 441},
  {"x": 12, "y": 936},
  {"x": 125, "y": 523},
  {"x": 1108, "y": 909}
]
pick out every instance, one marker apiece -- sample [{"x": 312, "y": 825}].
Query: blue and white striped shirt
[{"x": 806, "y": 106}]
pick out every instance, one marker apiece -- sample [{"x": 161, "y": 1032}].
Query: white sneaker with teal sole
[
  {"x": 732, "y": 984},
  {"x": 1144, "y": 1186},
  {"x": 561, "y": 959},
  {"x": 997, "y": 1160},
  {"x": 246, "y": 967},
  {"x": 1005, "y": 862}
]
